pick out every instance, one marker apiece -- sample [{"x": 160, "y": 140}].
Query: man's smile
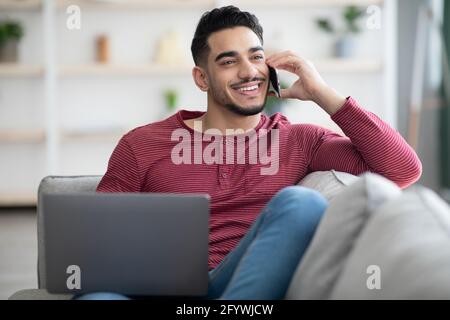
[{"x": 250, "y": 89}]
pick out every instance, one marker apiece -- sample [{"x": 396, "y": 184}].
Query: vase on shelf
[
  {"x": 344, "y": 47},
  {"x": 102, "y": 49}
]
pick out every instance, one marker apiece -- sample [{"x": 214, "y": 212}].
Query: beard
[
  {"x": 222, "y": 99},
  {"x": 246, "y": 111}
]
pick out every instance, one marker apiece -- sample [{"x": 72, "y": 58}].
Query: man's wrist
[{"x": 329, "y": 99}]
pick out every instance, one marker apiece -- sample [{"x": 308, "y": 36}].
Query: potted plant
[
  {"x": 344, "y": 45},
  {"x": 10, "y": 34},
  {"x": 171, "y": 99}
]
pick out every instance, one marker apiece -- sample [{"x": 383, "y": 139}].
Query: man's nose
[{"x": 247, "y": 70}]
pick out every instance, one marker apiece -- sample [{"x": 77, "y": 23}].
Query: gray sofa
[{"x": 375, "y": 240}]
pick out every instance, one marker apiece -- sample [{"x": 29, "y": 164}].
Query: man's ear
[{"x": 200, "y": 78}]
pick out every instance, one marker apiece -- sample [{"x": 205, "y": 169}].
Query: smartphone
[{"x": 274, "y": 81}]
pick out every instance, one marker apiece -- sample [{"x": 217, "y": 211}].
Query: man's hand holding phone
[{"x": 310, "y": 86}]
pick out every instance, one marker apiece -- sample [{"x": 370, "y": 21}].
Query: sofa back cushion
[
  {"x": 339, "y": 229},
  {"x": 402, "y": 253}
]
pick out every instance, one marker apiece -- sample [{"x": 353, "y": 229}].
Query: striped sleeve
[
  {"x": 122, "y": 174},
  {"x": 370, "y": 145}
]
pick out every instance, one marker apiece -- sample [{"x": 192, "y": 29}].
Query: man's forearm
[
  {"x": 329, "y": 99},
  {"x": 372, "y": 144}
]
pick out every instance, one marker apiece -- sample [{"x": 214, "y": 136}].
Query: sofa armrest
[
  {"x": 328, "y": 183},
  {"x": 58, "y": 184}
]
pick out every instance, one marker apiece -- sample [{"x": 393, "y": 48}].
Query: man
[{"x": 260, "y": 224}]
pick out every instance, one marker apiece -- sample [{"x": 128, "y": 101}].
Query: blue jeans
[{"x": 262, "y": 265}]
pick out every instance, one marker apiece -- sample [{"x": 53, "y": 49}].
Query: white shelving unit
[
  {"x": 178, "y": 4},
  {"x": 207, "y": 4},
  {"x": 139, "y": 4},
  {"x": 305, "y": 3},
  {"x": 124, "y": 70},
  {"x": 22, "y": 136},
  {"x": 20, "y": 5},
  {"x": 52, "y": 74},
  {"x": 20, "y": 70},
  {"x": 13, "y": 199}
]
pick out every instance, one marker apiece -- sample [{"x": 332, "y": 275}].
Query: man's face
[{"x": 238, "y": 74}]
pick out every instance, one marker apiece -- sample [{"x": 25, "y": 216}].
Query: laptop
[{"x": 138, "y": 244}]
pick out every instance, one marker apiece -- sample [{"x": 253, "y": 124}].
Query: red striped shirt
[{"x": 141, "y": 162}]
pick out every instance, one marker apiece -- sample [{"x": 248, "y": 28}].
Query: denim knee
[
  {"x": 298, "y": 203},
  {"x": 102, "y": 296}
]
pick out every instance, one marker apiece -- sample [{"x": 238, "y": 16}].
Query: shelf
[
  {"x": 112, "y": 135},
  {"x": 20, "y": 70},
  {"x": 207, "y": 4},
  {"x": 22, "y": 136},
  {"x": 110, "y": 70},
  {"x": 18, "y": 199},
  {"x": 20, "y": 4},
  {"x": 324, "y": 65},
  {"x": 303, "y": 3},
  {"x": 137, "y": 4},
  {"x": 12, "y": 5},
  {"x": 348, "y": 65},
  {"x": 178, "y": 4},
  {"x": 14, "y": 136},
  {"x": 123, "y": 70}
]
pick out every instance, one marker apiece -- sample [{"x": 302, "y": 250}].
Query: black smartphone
[{"x": 274, "y": 81}]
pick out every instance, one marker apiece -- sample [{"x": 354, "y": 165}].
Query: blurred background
[{"x": 76, "y": 75}]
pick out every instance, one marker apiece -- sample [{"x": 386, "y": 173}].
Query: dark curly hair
[{"x": 219, "y": 19}]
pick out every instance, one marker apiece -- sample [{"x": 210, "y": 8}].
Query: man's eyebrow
[
  {"x": 226, "y": 54},
  {"x": 254, "y": 49},
  {"x": 235, "y": 53}
]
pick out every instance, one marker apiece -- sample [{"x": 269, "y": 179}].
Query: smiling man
[{"x": 260, "y": 225}]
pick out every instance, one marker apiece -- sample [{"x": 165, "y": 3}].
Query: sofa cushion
[
  {"x": 408, "y": 242},
  {"x": 336, "y": 234},
  {"x": 39, "y": 294},
  {"x": 328, "y": 183}
]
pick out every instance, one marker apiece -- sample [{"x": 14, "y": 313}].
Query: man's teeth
[{"x": 248, "y": 88}]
